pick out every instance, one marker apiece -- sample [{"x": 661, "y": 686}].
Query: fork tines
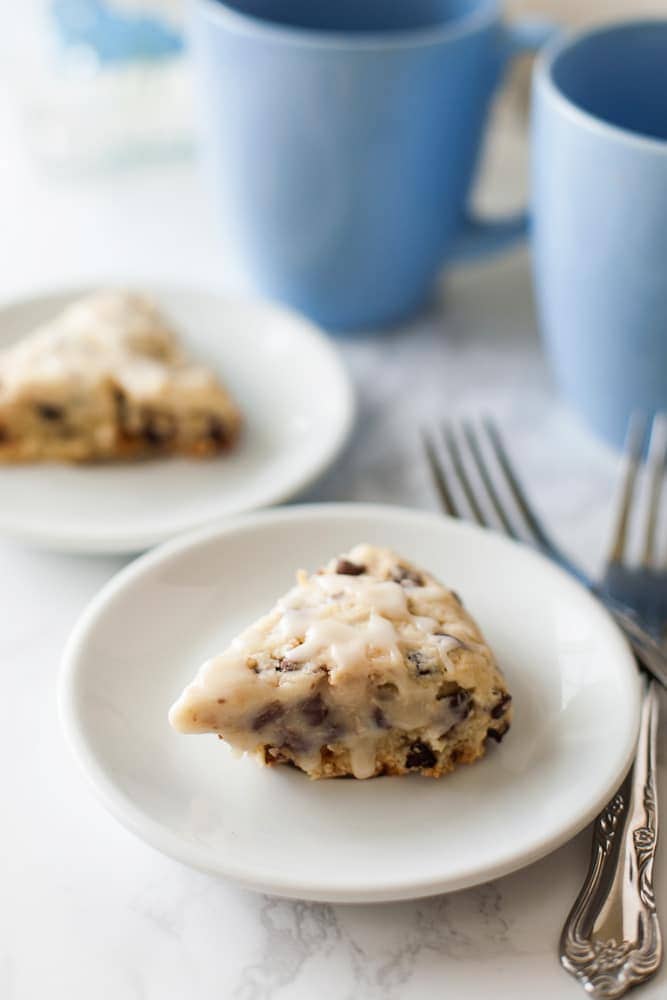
[
  {"x": 654, "y": 475},
  {"x": 475, "y": 478},
  {"x": 640, "y": 582}
]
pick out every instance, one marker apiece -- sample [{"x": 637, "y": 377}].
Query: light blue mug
[
  {"x": 600, "y": 226},
  {"x": 341, "y": 137}
]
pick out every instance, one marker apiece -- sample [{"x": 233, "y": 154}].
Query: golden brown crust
[
  {"x": 335, "y": 762},
  {"x": 463, "y": 747},
  {"x": 125, "y": 448}
]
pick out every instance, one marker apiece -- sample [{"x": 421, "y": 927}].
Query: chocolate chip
[
  {"x": 496, "y": 734},
  {"x": 4, "y": 436},
  {"x": 499, "y": 709},
  {"x": 420, "y": 755},
  {"x": 158, "y": 428},
  {"x": 152, "y": 436},
  {"x": 314, "y": 710},
  {"x": 269, "y": 714},
  {"x": 379, "y": 718},
  {"x": 456, "y": 597},
  {"x": 50, "y": 412},
  {"x": 403, "y": 575},
  {"x": 419, "y": 662},
  {"x": 217, "y": 432},
  {"x": 455, "y": 756},
  {"x": 346, "y": 568}
]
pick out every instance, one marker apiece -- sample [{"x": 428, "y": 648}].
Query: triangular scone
[
  {"x": 369, "y": 666},
  {"x": 107, "y": 379}
]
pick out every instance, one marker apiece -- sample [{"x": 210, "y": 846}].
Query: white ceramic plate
[
  {"x": 576, "y": 697},
  {"x": 298, "y": 406}
]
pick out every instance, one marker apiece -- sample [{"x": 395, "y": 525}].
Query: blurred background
[
  {"x": 579, "y": 13},
  {"x": 99, "y": 84},
  {"x": 98, "y": 170},
  {"x": 97, "y": 144}
]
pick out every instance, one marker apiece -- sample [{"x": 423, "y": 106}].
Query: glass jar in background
[{"x": 101, "y": 83}]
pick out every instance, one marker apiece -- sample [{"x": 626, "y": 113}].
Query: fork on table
[{"x": 611, "y": 940}]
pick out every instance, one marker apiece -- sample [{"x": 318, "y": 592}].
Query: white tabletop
[{"x": 88, "y": 911}]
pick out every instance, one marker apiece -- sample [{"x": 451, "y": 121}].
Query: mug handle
[{"x": 480, "y": 237}]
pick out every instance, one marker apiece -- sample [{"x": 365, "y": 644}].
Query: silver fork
[
  {"x": 611, "y": 940},
  {"x": 618, "y": 893},
  {"x": 518, "y": 520}
]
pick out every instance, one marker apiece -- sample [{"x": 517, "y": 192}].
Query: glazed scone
[
  {"x": 369, "y": 666},
  {"x": 107, "y": 379}
]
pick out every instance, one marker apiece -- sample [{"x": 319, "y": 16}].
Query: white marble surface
[{"x": 87, "y": 910}]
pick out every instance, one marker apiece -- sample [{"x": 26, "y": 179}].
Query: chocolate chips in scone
[
  {"x": 497, "y": 734},
  {"x": 314, "y": 710},
  {"x": 113, "y": 384},
  {"x": 405, "y": 576},
  {"x": 346, "y": 568},
  {"x": 158, "y": 429},
  {"x": 367, "y": 684},
  {"x": 269, "y": 714},
  {"x": 499, "y": 708},
  {"x": 217, "y": 432},
  {"x": 50, "y": 412},
  {"x": 420, "y": 755},
  {"x": 421, "y": 663}
]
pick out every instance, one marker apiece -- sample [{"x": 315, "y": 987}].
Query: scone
[
  {"x": 369, "y": 666},
  {"x": 107, "y": 379}
]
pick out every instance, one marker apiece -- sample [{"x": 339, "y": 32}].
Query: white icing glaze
[
  {"x": 350, "y": 661},
  {"x": 346, "y": 647},
  {"x": 362, "y": 756},
  {"x": 425, "y": 624},
  {"x": 385, "y": 597}
]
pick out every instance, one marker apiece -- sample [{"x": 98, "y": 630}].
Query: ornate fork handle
[{"x": 611, "y": 939}]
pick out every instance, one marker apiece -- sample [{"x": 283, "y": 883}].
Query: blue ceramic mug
[
  {"x": 342, "y": 137},
  {"x": 600, "y": 227}
]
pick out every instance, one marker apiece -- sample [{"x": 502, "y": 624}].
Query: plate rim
[
  {"x": 162, "y": 838},
  {"x": 128, "y": 541}
]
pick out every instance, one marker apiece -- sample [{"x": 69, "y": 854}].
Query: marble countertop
[{"x": 87, "y": 910}]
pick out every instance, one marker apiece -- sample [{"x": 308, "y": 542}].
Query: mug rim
[
  {"x": 485, "y": 13},
  {"x": 544, "y": 80}
]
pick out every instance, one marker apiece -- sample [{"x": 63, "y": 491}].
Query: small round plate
[
  {"x": 298, "y": 409},
  {"x": 576, "y": 697}
]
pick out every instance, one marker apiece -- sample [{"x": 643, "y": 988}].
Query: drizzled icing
[
  {"x": 384, "y": 597},
  {"x": 346, "y": 647},
  {"x": 346, "y": 661},
  {"x": 108, "y": 335}
]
